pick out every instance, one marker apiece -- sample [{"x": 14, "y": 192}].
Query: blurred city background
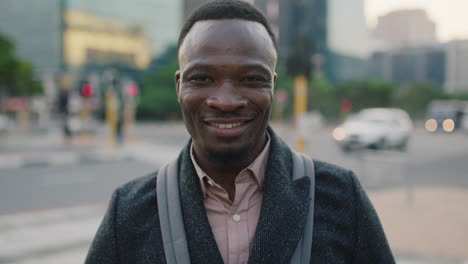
[{"x": 88, "y": 102}]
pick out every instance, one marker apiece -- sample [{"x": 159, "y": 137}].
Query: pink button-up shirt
[{"x": 234, "y": 222}]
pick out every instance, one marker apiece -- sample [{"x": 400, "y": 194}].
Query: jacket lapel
[
  {"x": 200, "y": 239},
  {"x": 284, "y": 209}
]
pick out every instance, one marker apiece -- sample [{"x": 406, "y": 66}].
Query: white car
[{"x": 376, "y": 128}]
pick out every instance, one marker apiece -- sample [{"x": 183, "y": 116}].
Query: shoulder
[
  {"x": 136, "y": 209},
  {"x": 134, "y": 220},
  {"x": 336, "y": 192},
  {"x": 139, "y": 186},
  {"x": 328, "y": 175},
  {"x": 136, "y": 197}
]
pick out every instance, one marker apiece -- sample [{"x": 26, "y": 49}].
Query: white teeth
[{"x": 223, "y": 125}]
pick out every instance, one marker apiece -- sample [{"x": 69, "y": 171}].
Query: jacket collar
[{"x": 282, "y": 217}]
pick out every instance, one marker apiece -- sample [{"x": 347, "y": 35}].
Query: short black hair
[{"x": 225, "y": 9}]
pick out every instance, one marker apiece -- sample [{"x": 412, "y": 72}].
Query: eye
[
  {"x": 201, "y": 79},
  {"x": 254, "y": 80}
]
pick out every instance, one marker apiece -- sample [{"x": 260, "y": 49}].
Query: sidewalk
[
  {"x": 427, "y": 221},
  {"x": 47, "y": 148}
]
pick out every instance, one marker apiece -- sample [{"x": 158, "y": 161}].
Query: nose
[{"x": 226, "y": 98}]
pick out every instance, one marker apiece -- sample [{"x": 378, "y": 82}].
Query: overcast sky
[{"x": 450, "y": 15}]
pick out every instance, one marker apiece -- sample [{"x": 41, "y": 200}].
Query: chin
[{"x": 227, "y": 155}]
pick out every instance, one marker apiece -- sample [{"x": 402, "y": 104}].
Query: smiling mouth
[{"x": 226, "y": 125}]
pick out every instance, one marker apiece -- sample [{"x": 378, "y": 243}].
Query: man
[{"x": 238, "y": 200}]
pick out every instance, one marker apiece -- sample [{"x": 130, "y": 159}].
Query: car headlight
[
  {"x": 431, "y": 125},
  {"x": 339, "y": 133},
  {"x": 448, "y": 125}
]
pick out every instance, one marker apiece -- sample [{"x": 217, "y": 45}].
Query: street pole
[
  {"x": 129, "y": 118},
  {"x": 300, "y": 108},
  {"x": 111, "y": 117}
]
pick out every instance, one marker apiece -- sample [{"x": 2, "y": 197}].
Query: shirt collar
[{"x": 257, "y": 167}]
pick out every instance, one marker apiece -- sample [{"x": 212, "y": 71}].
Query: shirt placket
[
  {"x": 219, "y": 195},
  {"x": 238, "y": 226},
  {"x": 236, "y": 216}
]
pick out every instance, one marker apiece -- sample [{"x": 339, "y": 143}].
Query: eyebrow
[{"x": 210, "y": 67}]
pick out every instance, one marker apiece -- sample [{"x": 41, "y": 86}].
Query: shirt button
[{"x": 236, "y": 217}]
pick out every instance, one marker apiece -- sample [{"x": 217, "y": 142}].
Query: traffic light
[
  {"x": 346, "y": 106},
  {"x": 131, "y": 90},
  {"x": 87, "y": 90}
]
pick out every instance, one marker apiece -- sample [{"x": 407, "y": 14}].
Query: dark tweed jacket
[{"x": 346, "y": 228}]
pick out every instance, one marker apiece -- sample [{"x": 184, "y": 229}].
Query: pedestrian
[
  {"x": 63, "y": 99},
  {"x": 237, "y": 193}
]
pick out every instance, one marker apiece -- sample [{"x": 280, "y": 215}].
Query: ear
[
  {"x": 177, "y": 80},
  {"x": 275, "y": 75},
  {"x": 274, "y": 80}
]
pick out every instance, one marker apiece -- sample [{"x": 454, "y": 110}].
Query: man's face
[{"x": 225, "y": 86}]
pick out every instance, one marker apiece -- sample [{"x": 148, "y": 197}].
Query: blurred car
[
  {"x": 375, "y": 128},
  {"x": 447, "y": 116},
  {"x": 464, "y": 123}
]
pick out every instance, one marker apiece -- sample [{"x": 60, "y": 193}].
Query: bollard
[
  {"x": 300, "y": 107},
  {"x": 111, "y": 117}
]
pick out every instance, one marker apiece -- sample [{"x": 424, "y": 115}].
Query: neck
[{"x": 224, "y": 172}]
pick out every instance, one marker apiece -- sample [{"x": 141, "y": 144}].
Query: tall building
[
  {"x": 90, "y": 39},
  {"x": 333, "y": 33},
  {"x": 408, "y": 65},
  {"x": 58, "y": 39},
  {"x": 405, "y": 28},
  {"x": 160, "y": 19},
  {"x": 35, "y": 26},
  {"x": 457, "y": 66},
  {"x": 347, "y": 40}
]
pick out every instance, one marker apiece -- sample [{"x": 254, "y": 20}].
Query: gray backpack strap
[
  {"x": 304, "y": 166},
  {"x": 170, "y": 215}
]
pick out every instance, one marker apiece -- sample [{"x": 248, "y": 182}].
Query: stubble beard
[{"x": 228, "y": 157}]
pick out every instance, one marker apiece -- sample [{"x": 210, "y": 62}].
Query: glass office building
[{"x": 35, "y": 26}]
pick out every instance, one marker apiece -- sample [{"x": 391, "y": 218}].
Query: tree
[
  {"x": 460, "y": 96},
  {"x": 158, "y": 97},
  {"x": 322, "y": 98},
  {"x": 414, "y": 98},
  {"x": 16, "y": 76},
  {"x": 367, "y": 93}
]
